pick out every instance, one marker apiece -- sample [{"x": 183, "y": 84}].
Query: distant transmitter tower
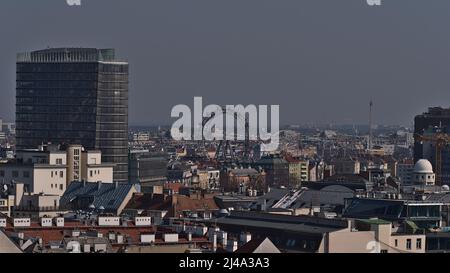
[{"x": 369, "y": 147}]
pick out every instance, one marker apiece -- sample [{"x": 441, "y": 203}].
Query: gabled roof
[
  {"x": 178, "y": 202},
  {"x": 7, "y": 245},
  {"x": 260, "y": 245},
  {"x": 143, "y": 201}
]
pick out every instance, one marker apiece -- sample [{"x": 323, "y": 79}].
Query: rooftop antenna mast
[{"x": 370, "y": 126}]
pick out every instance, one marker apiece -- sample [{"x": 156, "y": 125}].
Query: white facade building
[
  {"x": 423, "y": 173},
  {"x": 49, "y": 170}
]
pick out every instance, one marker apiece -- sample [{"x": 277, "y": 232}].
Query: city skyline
[{"x": 394, "y": 54}]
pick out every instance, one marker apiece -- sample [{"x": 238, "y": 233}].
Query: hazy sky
[{"x": 320, "y": 60}]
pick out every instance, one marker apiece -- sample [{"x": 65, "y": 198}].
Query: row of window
[
  {"x": 56, "y": 100},
  {"x": 92, "y": 172},
  {"x": 57, "y": 76},
  {"x": 15, "y": 174},
  {"x": 57, "y": 84},
  {"x": 55, "y": 186},
  {"x": 57, "y": 92},
  {"x": 143, "y": 219},
  {"x": 55, "y": 174},
  {"x": 51, "y": 109},
  {"x": 423, "y": 176},
  {"x": 57, "y": 67},
  {"x": 409, "y": 243}
]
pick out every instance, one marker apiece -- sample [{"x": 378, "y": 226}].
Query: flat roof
[
  {"x": 298, "y": 228},
  {"x": 374, "y": 221}
]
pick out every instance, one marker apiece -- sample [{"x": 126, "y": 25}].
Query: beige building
[
  {"x": 6, "y": 204},
  {"x": 372, "y": 236},
  {"x": 347, "y": 166},
  {"x": 87, "y": 165},
  {"x": 298, "y": 170},
  {"x": 49, "y": 169}
]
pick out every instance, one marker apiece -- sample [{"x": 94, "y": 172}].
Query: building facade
[
  {"x": 74, "y": 96},
  {"x": 147, "y": 168},
  {"x": 48, "y": 169}
]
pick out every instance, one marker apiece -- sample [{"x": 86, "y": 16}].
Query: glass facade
[{"x": 74, "y": 96}]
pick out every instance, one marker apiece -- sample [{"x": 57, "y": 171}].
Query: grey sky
[{"x": 321, "y": 60}]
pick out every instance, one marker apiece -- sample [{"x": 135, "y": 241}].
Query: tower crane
[{"x": 440, "y": 140}]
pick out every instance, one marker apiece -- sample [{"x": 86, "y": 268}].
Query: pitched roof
[
  {"x": 164, "y": 202},
  {"x": 6, "y": 245},
  {"x": 190, "y": 204},
  {"x": 259, "y": 245},
  {"x": 173, "y": 186},
  {"x": 149, "y": 202}
]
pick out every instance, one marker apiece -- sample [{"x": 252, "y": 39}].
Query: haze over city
[
  {"x": 236, "y": 127},
  {"x": 302, "y": 55}
]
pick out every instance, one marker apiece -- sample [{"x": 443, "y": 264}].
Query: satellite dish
[{"x": 101, "y": 208}]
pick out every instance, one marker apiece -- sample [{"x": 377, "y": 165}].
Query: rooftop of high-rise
[{"x": 67, "y": 54}]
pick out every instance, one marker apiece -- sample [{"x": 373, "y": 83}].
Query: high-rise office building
[
  {"x": 74, "y": 96},
  {"x": 436, "y": 120}
]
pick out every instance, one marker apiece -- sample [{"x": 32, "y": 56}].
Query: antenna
[{"x": 370, "y": 126}]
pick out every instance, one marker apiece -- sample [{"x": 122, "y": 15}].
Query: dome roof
[{"x": 423, "y": 166}]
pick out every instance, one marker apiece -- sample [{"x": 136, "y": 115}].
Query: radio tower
[{"x": 370, "y": 125}]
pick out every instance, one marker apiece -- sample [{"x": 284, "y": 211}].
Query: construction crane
[{"x": 440, "y": 140}]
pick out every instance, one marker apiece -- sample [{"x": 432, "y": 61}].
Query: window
[
  {"x": 76, "y": 152},
  {"x": 51, "y": 173},
  {"x": 61, "y": 187},
  {"x": 59, "y": 161},
  {"x": 61, "y": 174},
  {"x": 90, "y": 172},
  {"x": 396, "y": 243},
  {"x": 384, "y": 251},
  {"x": 419, "y": 243},
  {"x": 408, "y": 243}
]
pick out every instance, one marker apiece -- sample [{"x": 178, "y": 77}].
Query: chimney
[
  {"x": 214, "y": 241},
  {"x": 223, "y": 237},
  {"x": 99, "y": 185},
  {"x": 116, "y": 185},
  {"x": 19, "y": 194},
  {"x": 245, "y": 238},
  {"x": 174, "y": 199},
  {"x": 232, "y": 245}
]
